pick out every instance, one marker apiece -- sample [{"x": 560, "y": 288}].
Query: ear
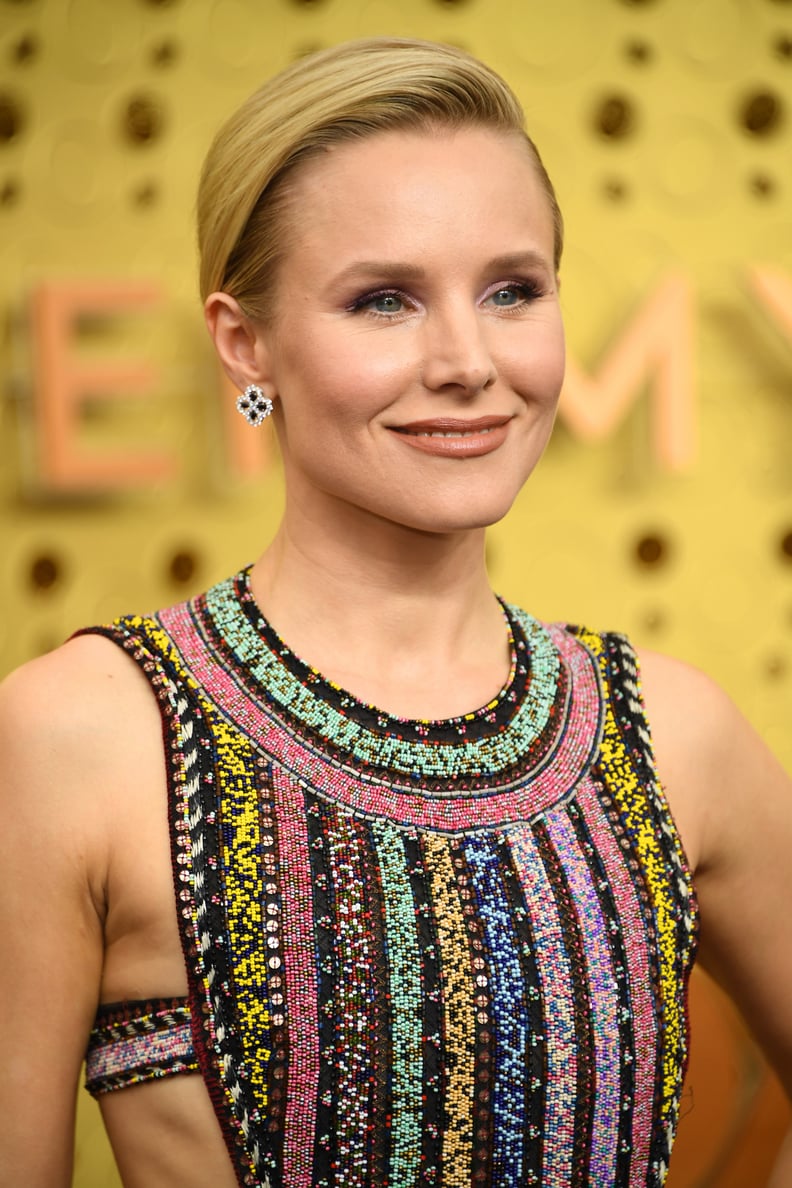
[{"x": 239, "y": 342}]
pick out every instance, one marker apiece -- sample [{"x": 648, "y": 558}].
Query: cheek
[
  {"x": 537, "y": 369},
  {"x": 556, "y": 363},
  {"x": 349, "y": 379}
]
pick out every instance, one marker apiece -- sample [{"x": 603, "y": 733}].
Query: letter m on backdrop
[{"x": 655, "y": 350}]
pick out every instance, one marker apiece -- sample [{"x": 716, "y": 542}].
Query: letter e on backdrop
[{"x": 63, "y": 383}]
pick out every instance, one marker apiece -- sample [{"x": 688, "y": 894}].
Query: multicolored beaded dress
[{"x": 451, "y": 954}]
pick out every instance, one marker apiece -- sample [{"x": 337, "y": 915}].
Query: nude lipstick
[{"x": 455, "y": 437}]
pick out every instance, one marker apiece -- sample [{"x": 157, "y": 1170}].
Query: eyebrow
[
  {"x": 371, "y": 268},
  {"x": 400, "y": 269},
  {"x": 527, "y": 259}
]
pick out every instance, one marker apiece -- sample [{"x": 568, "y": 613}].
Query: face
[{"x": 416, "y": 349}]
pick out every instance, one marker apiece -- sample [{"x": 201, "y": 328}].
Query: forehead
[{"x": 418, "y": 188}]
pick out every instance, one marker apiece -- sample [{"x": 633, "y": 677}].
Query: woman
[{"x": 419, "y": 944}]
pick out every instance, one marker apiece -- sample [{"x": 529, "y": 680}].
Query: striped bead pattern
[
  {"x": 135, "y": 1042},
  {"x": 450, "y": 954}
]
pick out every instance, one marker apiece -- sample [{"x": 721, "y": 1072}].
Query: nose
[{"x": 456, "y": 352}]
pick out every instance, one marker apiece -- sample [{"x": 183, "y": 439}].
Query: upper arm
[
  {"x": 55, "y": 746},
  {"x": 733, "y": 804}
]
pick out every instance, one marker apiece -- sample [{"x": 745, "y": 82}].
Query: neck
[{"x": 403, "y": 619}]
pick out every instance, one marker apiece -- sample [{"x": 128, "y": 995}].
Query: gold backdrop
[{"x": 666, "y": 126}]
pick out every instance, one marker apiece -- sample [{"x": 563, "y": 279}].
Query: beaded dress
[{"x": 451, "y": 954}]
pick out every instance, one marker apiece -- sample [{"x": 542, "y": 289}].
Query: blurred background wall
[{"x": 666, "y": 127}]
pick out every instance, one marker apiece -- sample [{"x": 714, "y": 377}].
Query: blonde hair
[{"x": 351, "y": 91}]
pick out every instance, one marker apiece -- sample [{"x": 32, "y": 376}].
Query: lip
[{"x": 470, "y": 437}]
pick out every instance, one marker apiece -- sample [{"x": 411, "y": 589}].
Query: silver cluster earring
[{"x": 254, "y": 405}]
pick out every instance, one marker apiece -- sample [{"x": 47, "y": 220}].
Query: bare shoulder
[
  {"x": 713, "y": 764},
  {"x": 684, "y": 705},
  {"x": 84, "y": 691},
  {"x": 71, "y": 723},
  {"x": 733, "y": 803},
  {"x": 86, "y": 678}
]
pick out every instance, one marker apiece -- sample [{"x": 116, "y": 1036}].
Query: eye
[
  {"x": 513, "y": 295},
  {"x": 389, "y": 302},
  {"x": 505, "y": 297}
]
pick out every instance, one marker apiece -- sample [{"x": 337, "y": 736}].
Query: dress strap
[{"x": 135, "y": 1042}]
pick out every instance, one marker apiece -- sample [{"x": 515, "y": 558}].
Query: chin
[{"x": 467, "y": 516}]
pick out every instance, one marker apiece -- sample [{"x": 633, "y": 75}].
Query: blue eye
[
  {"x": 503, "y": 298},
  {"x": 515, "y": 295},
  {"x": 379, "y": 303},
  {"x": 387, "y": 303}
]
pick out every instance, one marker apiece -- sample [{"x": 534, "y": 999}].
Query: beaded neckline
[{"x": 530, "y": 707}]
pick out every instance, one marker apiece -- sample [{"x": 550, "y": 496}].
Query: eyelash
[
  {"x": 527, "y": 290},
  {"x": 360, "y": 303}
]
